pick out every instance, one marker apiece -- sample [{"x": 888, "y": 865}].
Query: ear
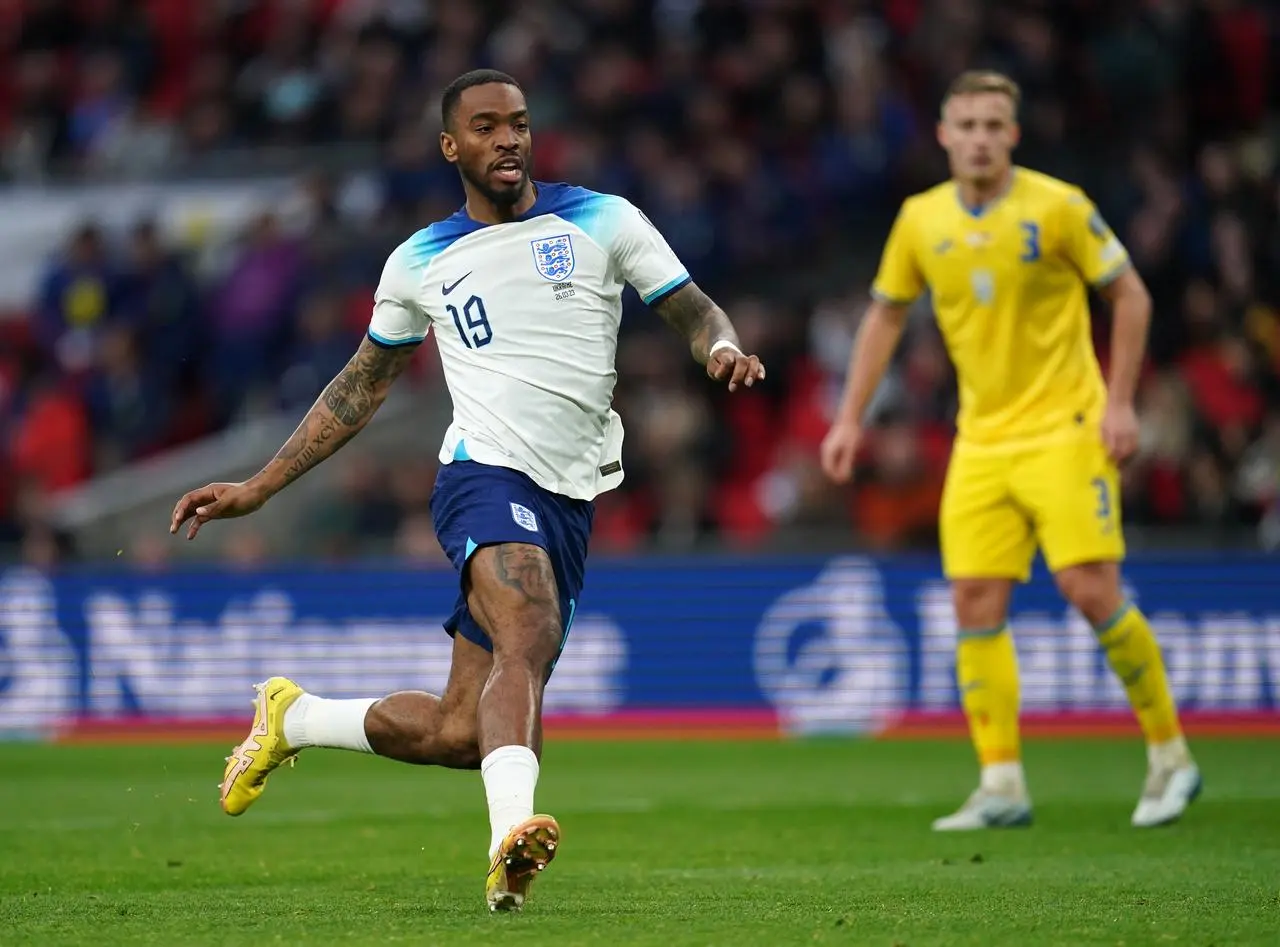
[
  {"x": 1017, "y": 135},
  {"x": 941, "y": 133},
  {"x": 449, "y": 147}
]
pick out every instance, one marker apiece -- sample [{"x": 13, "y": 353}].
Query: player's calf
[{"x": 420, "y": 728}]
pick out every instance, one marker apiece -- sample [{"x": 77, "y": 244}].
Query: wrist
[
  {"x": 264, "y": 484},
  {"x": 723, "y": 344},
  {"x": 1119, "y": 399}
]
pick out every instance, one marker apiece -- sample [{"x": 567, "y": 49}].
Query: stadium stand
[{"x": 770, "y": 142}]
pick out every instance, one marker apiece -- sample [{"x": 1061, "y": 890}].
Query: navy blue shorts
[{"x": 477, "y": 505}]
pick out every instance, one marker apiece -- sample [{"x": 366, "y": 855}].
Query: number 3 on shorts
[{"x": 1103, "y": 510}]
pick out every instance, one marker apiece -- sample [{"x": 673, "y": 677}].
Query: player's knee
[
  {"x": 980, "y": 603},
  {"x": 459, "y": 743},
  {"x": 1093, "y": 588}
]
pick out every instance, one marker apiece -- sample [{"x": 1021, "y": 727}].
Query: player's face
[
  {"x": 490, "y": 142},
  {"x": 979, "y": 133}
]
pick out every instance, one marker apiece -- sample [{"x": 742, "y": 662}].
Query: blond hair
[{"x": 978, "y": 81}]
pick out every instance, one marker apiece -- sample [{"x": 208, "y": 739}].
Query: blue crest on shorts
[{"x": 553, "y": 257}]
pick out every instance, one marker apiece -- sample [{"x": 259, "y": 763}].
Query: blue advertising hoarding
[{"x": 840, "y": 644}]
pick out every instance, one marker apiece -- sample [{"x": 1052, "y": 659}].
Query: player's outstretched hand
[
  {"x": 737, "y": 369},
  {"x": 217, "y": 501},
  {"x": 1120, "y": 431},
  {"x": 839, "y": 449}
]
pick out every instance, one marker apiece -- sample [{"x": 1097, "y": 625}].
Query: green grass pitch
[{"x": 807, "y": 842}]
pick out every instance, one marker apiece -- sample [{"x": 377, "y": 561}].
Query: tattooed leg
[{"x": 512, "y": 594}]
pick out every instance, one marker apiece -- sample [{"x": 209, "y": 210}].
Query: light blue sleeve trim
[
  {"x": 667, "y": 288},
  {"x": 471, "y": 547},
  {"x": 394, "y": 343},
  {"x": 460, "y": 451}
]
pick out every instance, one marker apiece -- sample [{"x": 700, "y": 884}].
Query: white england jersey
[{"x": 526, "y": 316}]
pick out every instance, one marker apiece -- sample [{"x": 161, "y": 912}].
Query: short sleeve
[
  {"x": 1088, "y": 243},
  {"x": 645, "y": 259},
  {"x": 397, "y": 319},
  {"x": 899, "y": 280}
]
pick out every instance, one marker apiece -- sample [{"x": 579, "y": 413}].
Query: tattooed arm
[
  {"x": 703, "y": 324},
  {"x": 338, "y": 415},
  {"x": 341, "y": 411}
]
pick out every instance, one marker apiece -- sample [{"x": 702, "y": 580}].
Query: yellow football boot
[
  {"x": 527, "y": 850},
  {"x": 263, "y": 749}
]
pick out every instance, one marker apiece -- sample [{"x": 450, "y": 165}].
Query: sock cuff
[
  {"x": 1114, "y": 618},
  {"x": 974, "y": 634},
  {"x": 509, "y": 754}
]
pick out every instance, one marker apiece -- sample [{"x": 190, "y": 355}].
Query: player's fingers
[
  {"x": 753, "y": 371},
  {"x": 210, "y": 511},
  {"x": 719, "y": 367},
  {"x": 741, "y": 366},
  {"x": 835, "y": 461},
  {"x": 1113, "y": 441},
  {"x": 841, "y": 464},
  {"x": 829, "y": 465},
  {"x": 1126, "y": 447},
  {"x": 180, "y": 514}
]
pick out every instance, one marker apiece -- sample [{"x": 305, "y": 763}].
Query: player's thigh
[
  {"x": 984, "y": 533},
  {"x": 500, "y": 531},
  {"x": 513, "y": 595},
  {"x": 1073, "y": 491}
]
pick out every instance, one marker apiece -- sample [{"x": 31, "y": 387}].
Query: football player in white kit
[{"x": 523, "y": 287}]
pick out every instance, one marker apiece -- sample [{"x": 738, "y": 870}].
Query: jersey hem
[
  {"x": 1014, "y": 445},
  {"x": 490, "y": 459}
]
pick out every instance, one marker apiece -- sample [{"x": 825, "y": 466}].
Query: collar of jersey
[
  {"x": 460, "y": 224},
  {"x": 984, "y": 209}
]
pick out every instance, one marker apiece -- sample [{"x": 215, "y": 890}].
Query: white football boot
[
  {"x": 1166, "y": 794},
  {"x": 988, "y": 809}
]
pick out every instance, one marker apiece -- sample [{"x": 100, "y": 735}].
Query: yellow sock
[
  {"x": 987, "y": 671},
  {"x": 1135, "y": 657}
]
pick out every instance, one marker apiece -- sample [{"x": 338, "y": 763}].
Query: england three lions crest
[{"x": 553, "y": 257}]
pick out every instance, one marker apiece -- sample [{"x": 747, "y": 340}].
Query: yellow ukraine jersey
[{"x": 1009, "y": 286}]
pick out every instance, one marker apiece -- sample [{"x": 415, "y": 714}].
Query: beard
[{"x": 504, "y": 195}]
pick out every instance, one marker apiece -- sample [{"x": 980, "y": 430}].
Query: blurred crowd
[{"x": 770, "y": 141}]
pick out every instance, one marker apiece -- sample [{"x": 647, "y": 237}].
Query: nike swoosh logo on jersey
[{"x": 446, "y": 289}]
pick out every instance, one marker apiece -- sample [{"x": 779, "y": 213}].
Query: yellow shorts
[{"x": 998, "y": 506}]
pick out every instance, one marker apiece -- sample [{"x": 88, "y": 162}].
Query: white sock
[
  {"x": 315, "y": 721},
  {"x": 510, "y": 775},
  {"x": 1171, "y": 754},
  {"x": 1006, "y": 779}
]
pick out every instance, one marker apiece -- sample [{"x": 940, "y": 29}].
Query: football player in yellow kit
[{"x": 1009, "y": 256}]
